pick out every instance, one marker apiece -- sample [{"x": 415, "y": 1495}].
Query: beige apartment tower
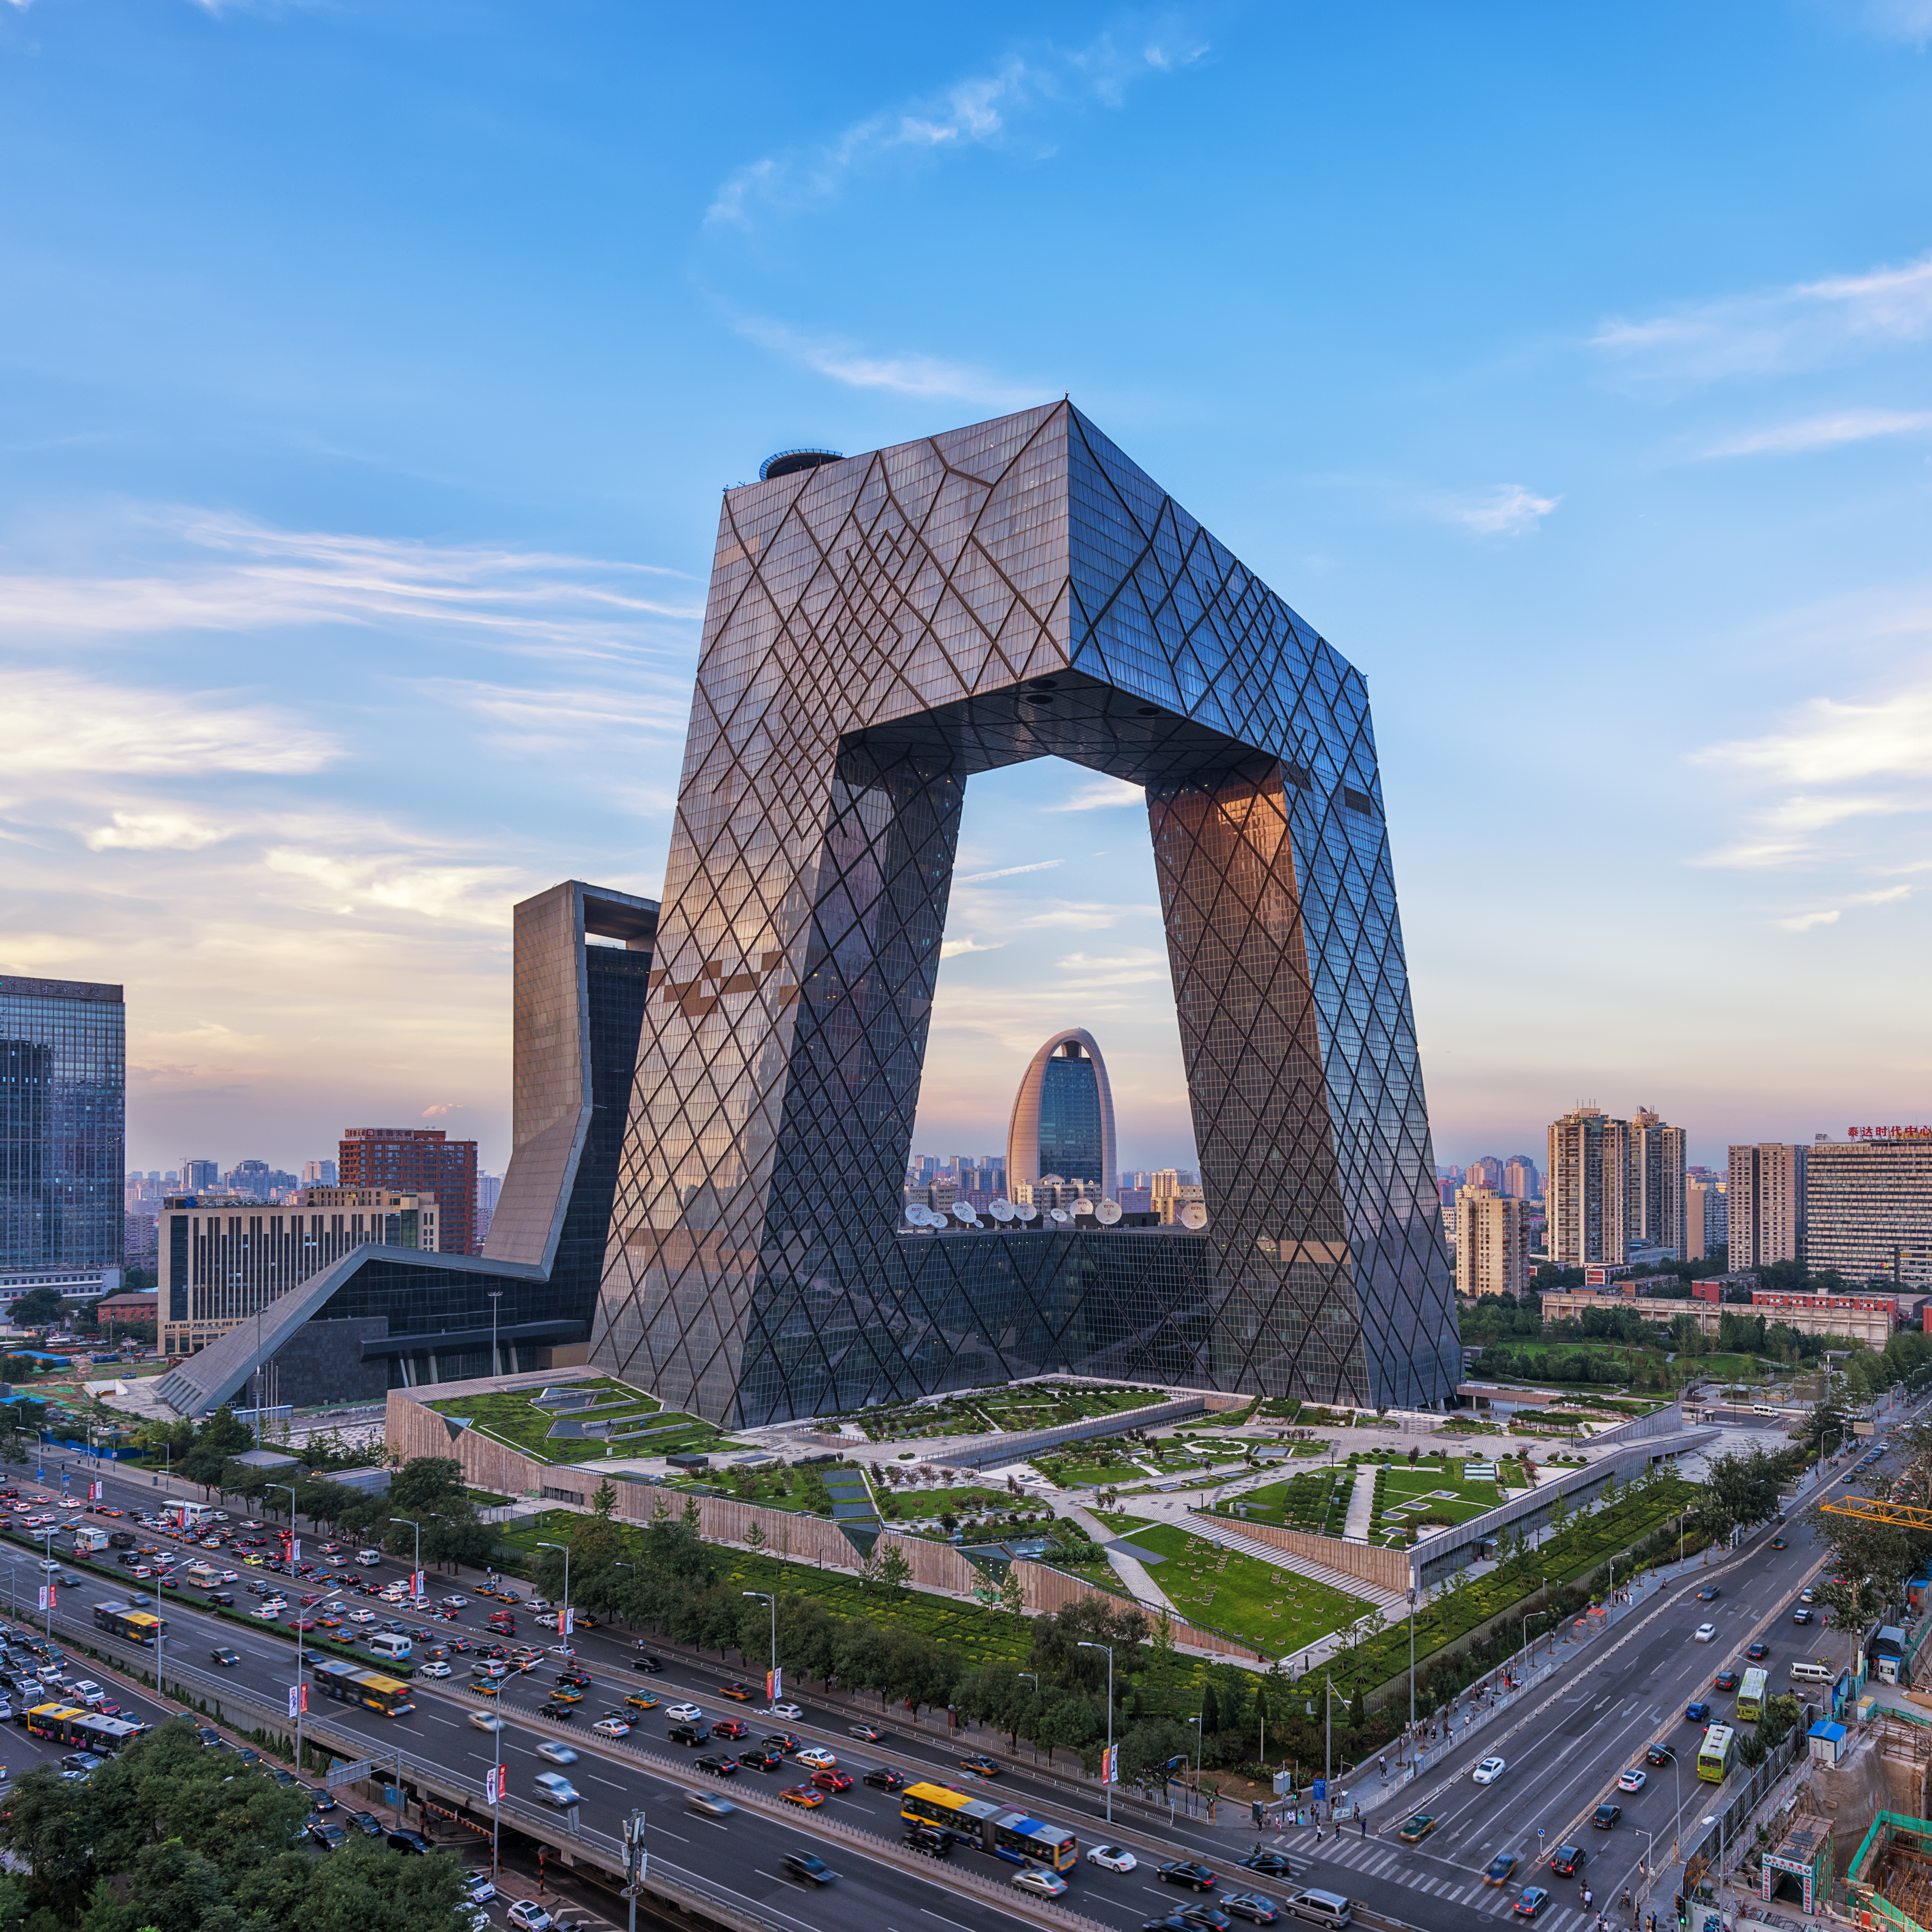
[
  {"x": 1587, "y": 1190},
  {"x": 1492, "y": 1243},
  {"x": 1766, "y": 1200},
  {"x": 1656, "y": 1213}
]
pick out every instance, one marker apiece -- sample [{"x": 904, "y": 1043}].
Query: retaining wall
[
  {"x": 1388, "y": 1569},
  {"x": 1048, "y": 1588}
]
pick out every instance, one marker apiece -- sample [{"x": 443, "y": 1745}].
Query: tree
[
  {"x": 38, "y": 1308},
  {"x": 1739, "y": 1492},
  {"x": 1153, "y": 1751},
  {"x": 1012, "y": 1595},
  {"x": 892, "y": 1569}
]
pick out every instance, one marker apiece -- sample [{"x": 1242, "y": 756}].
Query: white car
[
  {"x": 1705, "y": 1634},
  {"x": 538, "y": 1605},
  {"x": 787, "y": 1709},
  {"x": 477, "y": 1886},
  {"x": 685, "y": 1713},
  {"x": 362, "y": 1617},
  {"x": 612, "y": 1727},
  {"x": 527, "y": 1915},
  {"x": 710, "y": 1804},
  {"x": 1037, "y": 1878},
  {"x": 1489, "y": 1770},
  {"x": 485, "y": 1720},
  {"x": 433, "y": 1669},
  {"x": 817, "y": 1757},
  {"x": 1633, "y": 1780},
  {"x": 455, "y": 1603},
  {"x": 1112, "y": 1857},
  {"x": 557, "y": 1752},
  {"x": 554, "y": 1788}
]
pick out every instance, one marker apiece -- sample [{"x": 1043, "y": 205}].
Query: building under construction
[{"x": 1890, "y": 1880}]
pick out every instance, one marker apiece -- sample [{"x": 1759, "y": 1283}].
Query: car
[
  {"x": 228, "y": 1659},
  {"x": 1275, "y": 1864},
  {"x": 367, "y": 1822},
  {"x": 1699, "y": 1713},
  {"x": 612, "y": 1727},
  {"x": 554, "y": 1788},
  {"x": 808, "y": 1865},
  {"x": 1185, "y": 1871},
  {"x": 684, "y": 1714},
  {"x": 1489, "y": 1770},
  {"x": 882, "y": 1777},
  {"x": 787, "y": 1709},
  {"x": 718, "y": 1765},
  {"x": 362, "y": 1615},
  {"x": 436, "y": 1669},
  {"x": 980, "y": 1765},
  {"x": 803, "y": 1794},
  {"x": 576, "y": 1679},
  {"x": 527, "y": 1915},
  {"x": 1801, "y": 1615},
  {"x": 641, "y": 1700},
  {"x": 689, "y": 1734},
  {"x": 1500, "y": 1868},
  {"x": 1605, "y": 1816},
  {"x": 1255, "y": 1907},
  {"x": 644, "y": 1660},
  {"x": 566, "y": 1694},
  {"x": 1530, "y": 1901},
  {"x": 328, "y": 1836},
  {"x": 1780, "y": 1543},
  {"x": 1417, "y": 1828},
  {"x": 1659, "y": 1753},
  {"x": 1809, "y": 1595},
  {"x": 1633, "y": 1780},
  {"x": 786, "y": 1741},
  {"x": 559, "y": 1712},
  {"x": 738, "y": 1692},
  {"x": 817, "y": 1756},
  {"x": 831, "y": 1780},
  {"x": 929, "y": 1841},
  {"x": 710, "y": 1803},
  {"x": 485, "y": 1720},
  {"x": 1757, "y": 1652},
  {"x": 1705, "y": 1633},
  {"x": 731, "y": 1727},
  {"x": 1566, "y": 1860},
  {"x": 225, "y": 1598},
  {"x": 1725, "y": 1680},
  {"x": 1037, "y": 1879},
  {"x": 1709, "y": 1594},
  {"x": 1110, "y": 1858},
  {"x": 412, "y": 1844},
  {"x": 555, "y": 1751},
  {"x": 758, "y": 1758}
]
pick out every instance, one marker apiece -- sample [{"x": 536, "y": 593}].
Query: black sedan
[
  {"x": 1606, "y": 1816},
  {"x": 1185, "y": 1871},
  {"x": 328, "y": 1836},
  {"x": 1273, "y": 1864},
  {"x": 882, "y": 1777},
  {"x": 228, "y": 1659},
  {"x": 1566, "y": 1860},
  {"x": 1658, "y": 1754}
]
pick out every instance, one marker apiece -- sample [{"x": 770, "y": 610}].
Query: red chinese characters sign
[{"x": 1889, "y": 1133}]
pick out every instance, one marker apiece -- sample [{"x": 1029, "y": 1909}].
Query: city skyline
[{"x": 349, "y": 587}]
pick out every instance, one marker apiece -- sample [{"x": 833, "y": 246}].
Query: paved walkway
[
  {"x": 1361, "y": 1504},
  {"x": 1131, "y": 1571}
]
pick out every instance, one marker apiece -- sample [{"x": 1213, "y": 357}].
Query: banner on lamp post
[
  {"x": 416, "y": 1584},
  {"x": 496, "y": 1781},
  {"x": 94, "y": 1491},
  {"x": 774, "y": 1684},
  {"x": 566, "y": 1622},
  {"x": 1110, "y": 1766},
  {"x": 46, "y": 1602},
  {"x": 298, "y": 1700}
]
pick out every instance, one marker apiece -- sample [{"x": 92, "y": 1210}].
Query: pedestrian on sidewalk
[{"x": 1365, "y": 1824}]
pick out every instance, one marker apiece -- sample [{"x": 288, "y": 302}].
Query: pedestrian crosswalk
[{"x": 1374, "y": 1858}]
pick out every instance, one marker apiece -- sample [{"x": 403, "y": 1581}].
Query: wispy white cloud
[
  {"x": 347, "y": 882},
  {"x": 1005, "y": 872},
  {"x": 986, "y": 110},
  {"x": 58, "y": 722},
  {"x": 1826, "y": 432},
  {"x": 1506, "y": 510},
  {"x": 1909, "y": 21},
  {"x": 157, "y": 831},
  {"x": 905, "y": 375},
  {"x": 952, "y": 949},
  {"x": 1798, "y": 327},
  {"x": 1803, "y": 922},
  {"x": 1099, "y": 794}
]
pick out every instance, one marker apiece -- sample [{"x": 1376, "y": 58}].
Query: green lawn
[
  {"x": 1248, "y": 1597},
  {"x": 509, "y": 1416},
  {"x": 1014, "y": 1411},
  {"x": 1318, "y": 1500},
  {"x": 1431, "y": 1492}
]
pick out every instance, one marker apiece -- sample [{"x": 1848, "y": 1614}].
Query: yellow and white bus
[
  {"x": 1714, "y": 1754},
  {"x": 335, "y": 1678},
  {"x": 990, "y": 1827},
  {"x": 1750, "y": 1697}
]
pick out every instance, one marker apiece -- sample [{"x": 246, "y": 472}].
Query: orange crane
[{"x": 1869, "y": 1509}]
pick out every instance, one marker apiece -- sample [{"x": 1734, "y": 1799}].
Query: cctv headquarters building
[{"x": 881, "y": 628}]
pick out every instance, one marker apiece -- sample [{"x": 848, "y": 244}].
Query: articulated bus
[
  {"x": 122, "y": 1620},
  {"x": 68, "y": 1724},
  {"x": 334, "y": 1678},
  {"x": 1750, "y": 1697},
  {"x": 990, "y": 1827},
  {"x": 1714, "y": 1754}
]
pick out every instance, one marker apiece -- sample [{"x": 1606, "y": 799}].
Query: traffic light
[{"x": 1683, "y": 1912}]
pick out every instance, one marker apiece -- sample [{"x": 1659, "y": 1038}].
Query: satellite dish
[
  {"x": 1025, "y": 1211},
  {"x": 962, "y": 1211},
  {"x": 1056, "y": 1213},
  {"x": 915, "y": 1215},
  {"x": 1194, "y": 1215},
  {"x": 1108, "y": 1212},
  {"x": 1083, "y": 1206},
  {"x": 1001, "y": 1209}
]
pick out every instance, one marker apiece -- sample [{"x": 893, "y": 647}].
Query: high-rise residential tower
[
  {"x": 417, "y": 1160},
  {"x": 63, "y": 1114},
  {"x": 880, "y": 629},
  {"x": 1063, "y": 1116},
  {"x": 1521, "y": 1181},
  {"x": 1487, "y": 1172},
  {"x": 1706, "y": 1218},
  {"x": 1766, "y": 1203},
  {"x": 1492, "y": 1243},
  {"x": 1587, "y": 1190},
  {"x": 1656, "y": 1212}
]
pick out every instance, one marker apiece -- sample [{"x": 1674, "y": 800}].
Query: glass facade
[
  {"x": 880, "y": 629},
  {"x": 63, "y": 1124},
  {"x": 1071, "y": 1143}
]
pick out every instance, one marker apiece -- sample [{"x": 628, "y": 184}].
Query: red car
[
  {"x": 831, "y": 1781},
  {"x": 730, "y": 1727},
  {"x": 803, "y": 1794}
]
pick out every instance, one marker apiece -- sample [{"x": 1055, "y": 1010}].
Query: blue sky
[{"x": 368, "y": 374}]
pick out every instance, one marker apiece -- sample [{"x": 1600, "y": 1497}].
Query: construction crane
[{"x": 1869, "y": 1509}]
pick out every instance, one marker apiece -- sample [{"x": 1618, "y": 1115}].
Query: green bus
[
  {"x": 1714, "y": 1754},
  {"x": 1750, "y": 1697}
]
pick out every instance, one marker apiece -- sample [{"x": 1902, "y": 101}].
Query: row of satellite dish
[{"x": 965, "y": 1215}]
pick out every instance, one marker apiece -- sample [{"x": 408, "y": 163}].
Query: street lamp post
[
  {"x": 563, "y": 1615},
  {"x": 415, "y": 1568},
  {"x": 1108, "y": 1766},
  {"x": 766, "y": 1597},
  {"x": 47, "y": 1581},
  {"x": 1413, "y": 1592}
]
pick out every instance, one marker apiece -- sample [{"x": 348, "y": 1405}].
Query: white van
[
  {"x": 1321, "y": 1908},
  {"x": 388, "y": 1644},
  {"x": 1813, "y": 1673},
  {"x": 368, "y": 1558}
]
